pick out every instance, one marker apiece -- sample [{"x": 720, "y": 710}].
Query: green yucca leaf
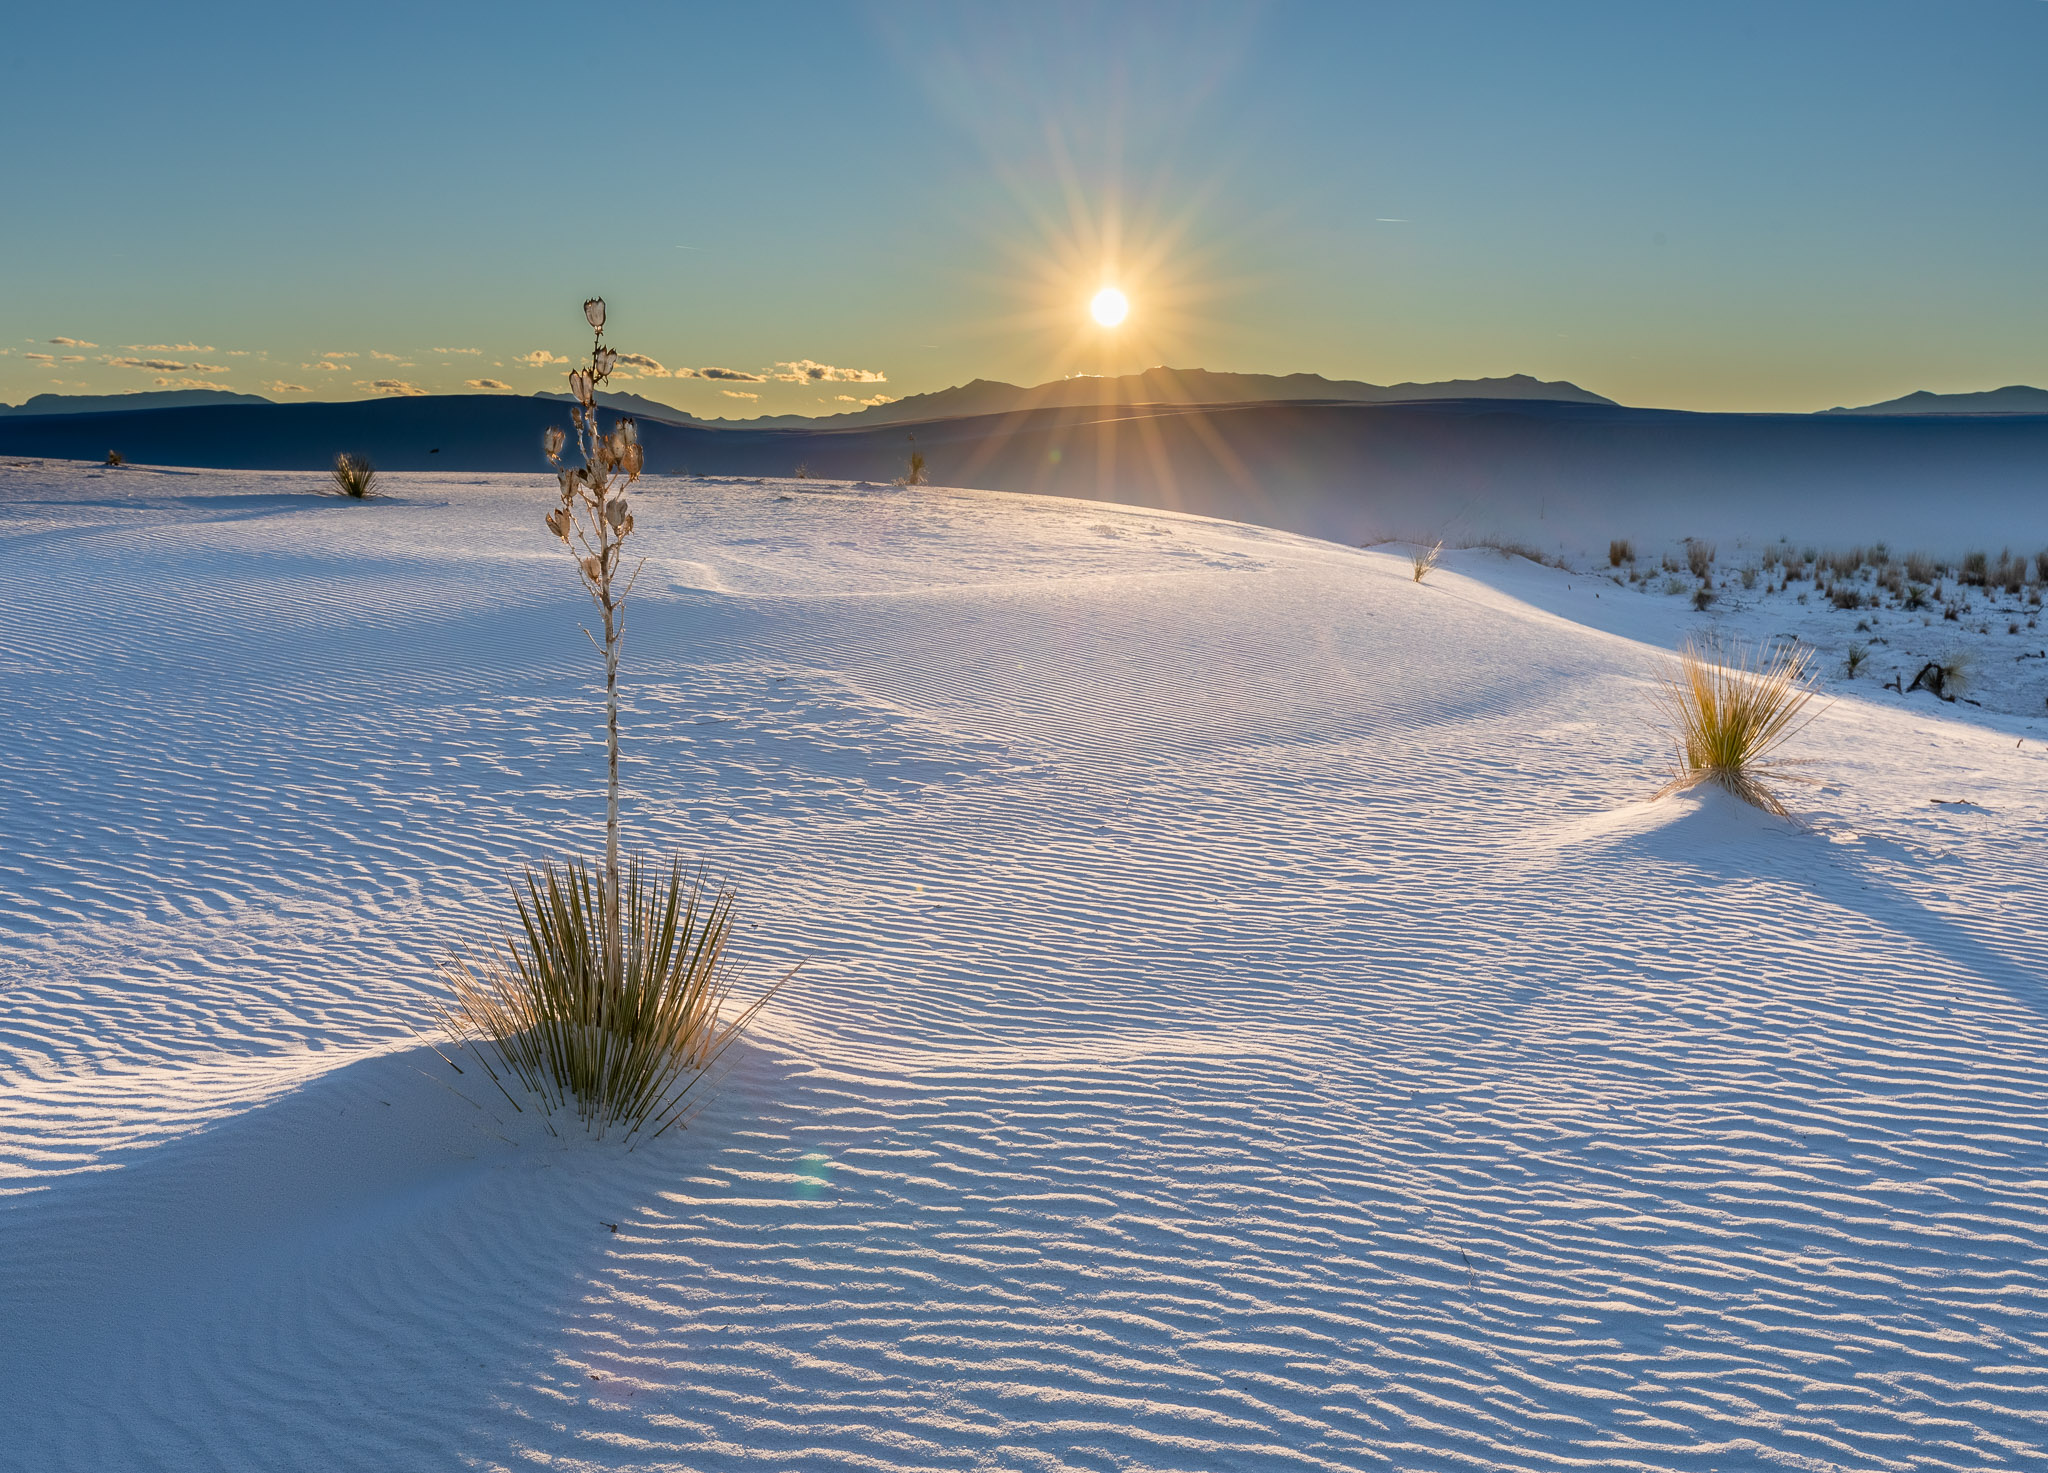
[{"x": 624, "y": 1037}]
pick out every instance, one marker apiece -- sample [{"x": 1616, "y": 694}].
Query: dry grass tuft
[
  {"x": 1620, "y": 550},
  {"x": 1424, "y": 559},
  {"x": 354, "y": 477},
  {"x": 1731, "y": 712},
  {"x": 115, "y": 457},
  {"x": 626, "y": 1040}
]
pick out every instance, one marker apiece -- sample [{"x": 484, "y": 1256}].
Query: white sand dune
[{"x": 1251, "y": 1018}]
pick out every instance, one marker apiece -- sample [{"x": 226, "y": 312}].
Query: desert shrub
[
  {"x": 1699, "y": 558},
  {"x": 1844, "y": 564},
  {"x": 1915, "y": 596},
  {"x": 623, "y": 1033},
  {"x": 616, "y": 1000},
  {"x": 115, "y": 457},
  {"x": 1749, "y": 576},
  {"x": 802, "y": 471},
  {"x": 1892, "y": 579},
  {"x": 1675, "y": 585},
  {"x": 2011, "y": 572},
  {"x": 1671, "y": 563},
  {"x": 1976, "y": 570},
  {"x": 1858, "y": 655},
  {"x": 1703, "y": 598},
  {"x": 1424, "y": 559},
  {"x": 1731, "y": 712},
  {"x": 354, "y": 477},
  {"x": 1620, "y": 551},
  {"x": 2041, "y": 566},
  {"x": 914, "y": 474},
  {"x": 1844, "y": 596},
  {"x": 1920, "y": 568}
]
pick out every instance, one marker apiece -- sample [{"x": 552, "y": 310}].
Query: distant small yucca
[
  {"x": 355, "y": 477},
  {"x": 1731, "y": 712}
]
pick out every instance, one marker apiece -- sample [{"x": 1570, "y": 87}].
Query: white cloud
[
  {"x": 341, "y": 355},
  {"x": 642, "y": 361},
  {"x": 493, "y": 384},
  {"x": 539, "y": 358},
  {"x": 729, "y": 375},
  {"x": 806, "y": 371},
  {"x": 865, "y": 403},
  {"x": 736, "y": 394},
  {"x": 40, "y": 357},
  {"x": 188, "y": 383},
  {"x": 73, "y": 343},
  {"x": 455, "y": 350},
  {"x": 168, "y": 348},
  {"x": 389, "y": 357},
  {"x": 323, "y": 366},
  {"x": 282, "y": 388},
  {"x": 166, "y": 365},
  {"x": 396, "y": 386}
]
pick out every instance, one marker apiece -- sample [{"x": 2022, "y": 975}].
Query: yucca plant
[
  {"x": 623, "y": 1036},
  {"x": 1731, "y": 711},
  {"x": 115, "y": 457},
  {"x": 1422, "y": 562},
  {"x": 354, "y": 477},
  {"x": 616, "y": 998}
]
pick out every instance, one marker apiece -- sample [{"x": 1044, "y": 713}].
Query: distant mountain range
[
  {"x": 1179, "y": 386},
  {"x": 146, "y": 399},
  {"x": 2013, "y": 399}
]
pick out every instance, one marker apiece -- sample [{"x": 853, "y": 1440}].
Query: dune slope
[{"x": 1250, "y": 1018}]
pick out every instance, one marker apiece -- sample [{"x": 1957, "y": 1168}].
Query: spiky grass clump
[
  {"x": 626, "y": 1040},
  {"x": 1731, "y": 711},
  {"x": 354, "y": 477},
  {"x": 1423, "y": 560},
  {"x": 115, "y": 457}
]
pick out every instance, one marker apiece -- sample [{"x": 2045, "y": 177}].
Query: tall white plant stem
[{"x": 593, "y": 521}]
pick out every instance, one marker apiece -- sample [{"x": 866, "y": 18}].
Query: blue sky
[{"x": 1715, "y": 206}]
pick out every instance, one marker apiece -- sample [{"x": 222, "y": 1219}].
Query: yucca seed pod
[
  {"x": 591, "y": 569},
  {"x": 602, "y": 360},
  {"x": 593, "y": 313},
  {"x": 630, "y": 428},
  {"x": 551, "y": 442},
  {"x": 633, "y": 461},
  {"x": 615, "y": 513}
]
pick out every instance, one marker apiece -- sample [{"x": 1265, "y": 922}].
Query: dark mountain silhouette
[
  {"x": 2013, "y": 399},
  {"x": 1352, "y": 472},
  {"x": 1162, "y": 386},
  {"x": 145, "y": 399}
]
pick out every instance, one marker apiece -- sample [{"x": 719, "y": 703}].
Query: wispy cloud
[
  {"x": 341, "y": 355},
  {"x": 169, "y": 348},
  {"x": 73, "y": 343},
  {"x": 729, "y": 375},
  {"x": 737, "y": 394},
  {"x": 166, "y": 365},
  {"x": 806, "y": 371},
  {"x": 324, "y": 366},
  {"x": 188, "y": 383},
  {"x": 40, "y": 357},
  {"x": 539, "y": 358},
  {"x": 647, "y": 365},
  {"x": 391, "y": 357},
  {"x": 288, "y": 388},
  {"x": 396, "y": 386},
  {"x": 455, "y": 350},
  {"x": 487, "y": 383},
  {"x": 865, "y": 403}
]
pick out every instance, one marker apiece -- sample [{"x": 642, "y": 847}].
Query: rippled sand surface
[{"x": 1250, "y": 1018}]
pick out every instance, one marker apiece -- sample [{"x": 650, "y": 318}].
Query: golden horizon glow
[{"x": 1109, "y": 307}]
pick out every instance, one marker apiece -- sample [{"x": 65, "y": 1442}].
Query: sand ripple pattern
[{"x": 1248, "y": 1022}]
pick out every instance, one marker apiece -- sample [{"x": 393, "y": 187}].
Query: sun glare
[{"x": 1110, "y": 306}]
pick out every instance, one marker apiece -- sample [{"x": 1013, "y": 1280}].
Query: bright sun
[{"x": 1109, "y": 307}]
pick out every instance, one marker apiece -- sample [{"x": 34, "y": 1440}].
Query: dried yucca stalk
[
  {"x": 1730, "y": 711},
  {"x": 1424, "y": 559},
  {"x": 625, "y": 1035},
  {"x": 593, "y": 521}
]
